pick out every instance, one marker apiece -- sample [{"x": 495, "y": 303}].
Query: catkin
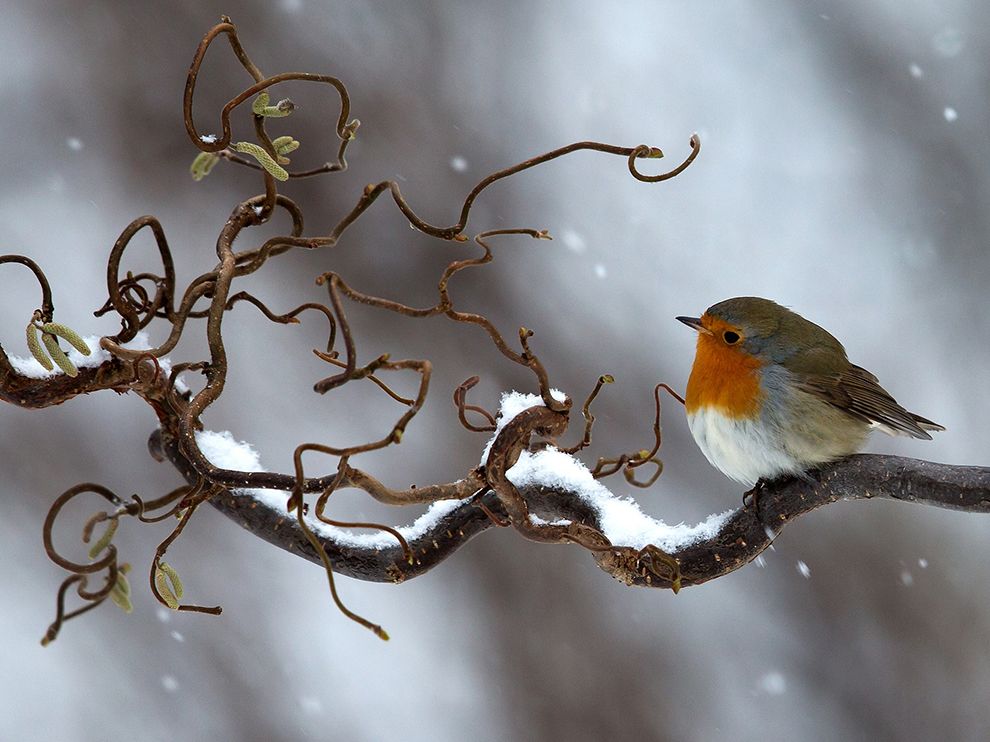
[
  {"x": 104, "y": 541},
  {"x": 203, "y": 164},
  {"x": 70, "y": 335},
  {"x": 34, "y": 345},
  {"x": 264, "y": 159},
  {"x": 161, "y": 583},
  {"x": 173, "y": 577},
  {"x": 58, "y": 355}
]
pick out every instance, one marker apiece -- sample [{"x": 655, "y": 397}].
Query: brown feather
[{"x": 857, "y": 392}]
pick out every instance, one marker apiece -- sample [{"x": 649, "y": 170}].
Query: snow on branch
[{"x": 560, "y": 489}]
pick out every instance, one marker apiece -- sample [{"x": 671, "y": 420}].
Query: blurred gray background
[{"x": 843, "y": 173}]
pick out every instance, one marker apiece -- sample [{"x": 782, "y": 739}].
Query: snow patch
[
  {"x": 221, "y": 448},
  {"x": 622, "y": 521}
]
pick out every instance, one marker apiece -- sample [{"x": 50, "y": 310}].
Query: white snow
[
  {"x": 74, "y": 143},
  {"x": 208, "y": 138},
  {"x": 511, "y": 404},
  {"x": 773, "y": 683},
  {"x": 458, "y": 164},
  {"x": 224, "y": 451},
  {"x": 169, "y": 683},
  {"x": 916, "y": 71},
  {"x": 950, "y": 113},
  {"x": 600, "y": 270},
  {"x": 573, "y": 241},
  {"x": 923, "y": 563},
  {"x": 621, "y": 518},
  {"x": 804, "y": 569}
]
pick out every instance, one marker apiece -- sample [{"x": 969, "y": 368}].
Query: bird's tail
[{"x": 926, "y": 424}]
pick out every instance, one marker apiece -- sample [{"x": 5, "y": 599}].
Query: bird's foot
[{"x": 754, "y": 498}]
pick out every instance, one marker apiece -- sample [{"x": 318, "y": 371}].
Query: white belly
[{"x": 745, "y": 450}]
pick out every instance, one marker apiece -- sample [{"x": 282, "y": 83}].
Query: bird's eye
[{"x": 730, "y": 337}]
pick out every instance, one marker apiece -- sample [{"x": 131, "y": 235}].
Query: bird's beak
[{"x": 695, "y": 324}]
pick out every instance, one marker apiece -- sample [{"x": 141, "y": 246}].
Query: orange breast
[{"x": 724, "y": 378}]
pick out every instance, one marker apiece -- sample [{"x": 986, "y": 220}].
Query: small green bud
[
  {"x": 260, "y": 106},
  {"x": 203, "y": 164}
]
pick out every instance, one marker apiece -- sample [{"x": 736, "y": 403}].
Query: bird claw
[{"x": 754, "y": 498}]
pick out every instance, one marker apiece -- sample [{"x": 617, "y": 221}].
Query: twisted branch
[{"x": 744, "y": 535}]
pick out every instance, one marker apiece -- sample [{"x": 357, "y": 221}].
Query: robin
[{"x": 772, "y": 394}]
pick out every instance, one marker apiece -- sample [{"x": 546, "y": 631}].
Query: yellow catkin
[
  {"x": 283, "y": 146},
  {"x": 161, "y": 583},
  {"x": 104, "y": 540},
  {"x": 173, "y": 577},
  {"x": 70, "y": 336},
  {"x": 58, "y": 355},
  {"x": 120, "y": 594},
  {"x": 34, "y": 345},
  {"x": 264, "y": 159}
]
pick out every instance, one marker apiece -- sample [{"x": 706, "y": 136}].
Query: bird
[{"x": 772, "y": 394}]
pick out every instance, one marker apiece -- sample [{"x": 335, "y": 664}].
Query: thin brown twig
[{"x": 140, "y": 298}]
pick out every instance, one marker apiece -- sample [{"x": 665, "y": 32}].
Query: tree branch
[{"x": 742, "y": 537}]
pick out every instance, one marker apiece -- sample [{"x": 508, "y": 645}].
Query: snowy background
[{"x": 844, "y": 172}]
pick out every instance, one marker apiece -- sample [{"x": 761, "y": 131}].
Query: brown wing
[{"x": 857, "y": 392}]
